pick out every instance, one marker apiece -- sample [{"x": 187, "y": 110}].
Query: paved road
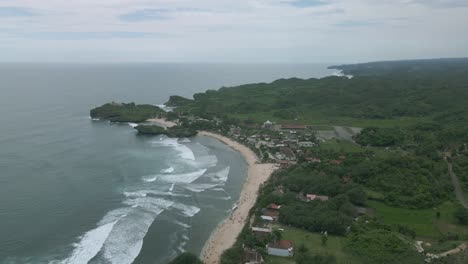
[{"x": 456, "y": 184}]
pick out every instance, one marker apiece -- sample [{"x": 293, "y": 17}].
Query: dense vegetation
[
  {"x": 121, "y": 112},
  {"x": 175, "y": 100},
  {"x": 186, "y": 258},
  {"x": 416, "y": 112},
  {"x": 380, "y": 137},
  {"x": 401, "y": 94},
  {"x": 413, "y": 113},
  {"x": 174, "y": 132},
  {"x": 383, "y": 247}
]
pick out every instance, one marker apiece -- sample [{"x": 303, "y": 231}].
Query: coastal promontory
[{"x": 125, "y": 112}]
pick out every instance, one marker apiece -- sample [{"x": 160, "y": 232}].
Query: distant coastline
[{"x": 225, "y": 235}]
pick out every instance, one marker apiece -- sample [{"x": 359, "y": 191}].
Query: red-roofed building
[
  {"x": 282, "y": 248},
  {"x": 273, "y": 206}
]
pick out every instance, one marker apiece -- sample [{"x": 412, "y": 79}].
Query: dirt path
[{"x": 456, "y": 183}]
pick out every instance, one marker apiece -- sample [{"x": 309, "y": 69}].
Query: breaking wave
[
  {"x": 187, "y": 210},
  {"x": 175, "y": 178},
  {"x": 168, "y": 170},
  {"x": 90, "y": 244},
  {"x": 184, "y": 151}
]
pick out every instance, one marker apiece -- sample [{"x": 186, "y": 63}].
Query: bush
[{"x": 462, "y": 215}]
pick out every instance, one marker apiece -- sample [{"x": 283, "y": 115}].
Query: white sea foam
[
  {"x": 341, "y": 74},
  {"x": 132, "y": 124},
  {"x": 172, "y": 187},
  {"x": 165, "y": 108},
  {"x": 119, "y": 235},
  {"x": 184, "y": 140},
  {"x": 199, "y": 187},
  {"x": 149, "y": 178},
  {"x": 168, "y": 170},
  {"x": 184, "y": 151},
  {"x": 220, "y": 176},
  {"x": 181, "y": 247},
  {"x": 126, "y": 239},
  {"x": 175, "y": 178},
  {"x": 135, "y": 194},
  {"x": 182, "y": 178},
  {"x": 144, "y": 193},
  {"x": 181, "y": 224},
  {"x": 206, "y": 161},
  {"x": 149, "y": 203},
  {"x": 90, "y": 244},
  {"x": 187, "y": 210}
]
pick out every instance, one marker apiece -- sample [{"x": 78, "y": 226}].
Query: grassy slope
[
  {"x": 424, "y": 221},
  {"x": 312, "y": 241}
]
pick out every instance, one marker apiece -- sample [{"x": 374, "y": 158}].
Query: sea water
[{"x": 76, "y": 190}]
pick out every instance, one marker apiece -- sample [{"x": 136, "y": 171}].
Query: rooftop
[{"x": 281, "y": 244}]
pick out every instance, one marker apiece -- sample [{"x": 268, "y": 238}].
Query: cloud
[
  {"x": 227, "y": 30},
  {"x": 441, "y": 3},
  {"x": 145, "y": 14},
  {"x": 358, "y": 23},
  {"x": 307, "y": 3},
  {"x": 12, "y": 11},
  {"x": 87, "y": 35}
]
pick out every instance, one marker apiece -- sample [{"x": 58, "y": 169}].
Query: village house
[
  {"x": 305, "y": 144},
  {"x": 266, "y": 230},
  {"x": 313, "y": 197},
  {"x": 282, "y": 248},
  {"x": 268, "y": 125},
  {"x": 270, "y": 215},
  {"x": 283, "y": 164},
  {"x": 252, "y": 257},
  {"x": 273, "y": 206},
  {"x": 235, "y": 131},
  {"x": 287, "y": 153},
  {"x": 313, "y": 160},
  {"x": 261, "y": 233}
]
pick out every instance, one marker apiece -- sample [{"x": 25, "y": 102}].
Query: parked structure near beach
[{"x": 282, "y": 248}]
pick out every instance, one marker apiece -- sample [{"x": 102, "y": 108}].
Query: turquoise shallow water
[{"x": 73, "y": 190}]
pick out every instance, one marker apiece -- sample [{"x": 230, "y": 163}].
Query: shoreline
[{"x": 225, "y": 234}]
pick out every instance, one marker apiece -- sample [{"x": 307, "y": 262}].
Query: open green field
[
  {"x": 312, "y": 241},
  {"x": 424, "y": 221}
]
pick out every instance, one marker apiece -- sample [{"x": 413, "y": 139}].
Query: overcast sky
[{"x": 231, "y": 30}]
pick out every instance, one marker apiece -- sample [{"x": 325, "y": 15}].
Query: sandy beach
[
  {"x": 162, "y": 122},
  {"x": 225, "y": 235}
]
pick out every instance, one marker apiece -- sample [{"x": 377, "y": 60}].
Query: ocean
[{"x": 74, "y": 190}]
